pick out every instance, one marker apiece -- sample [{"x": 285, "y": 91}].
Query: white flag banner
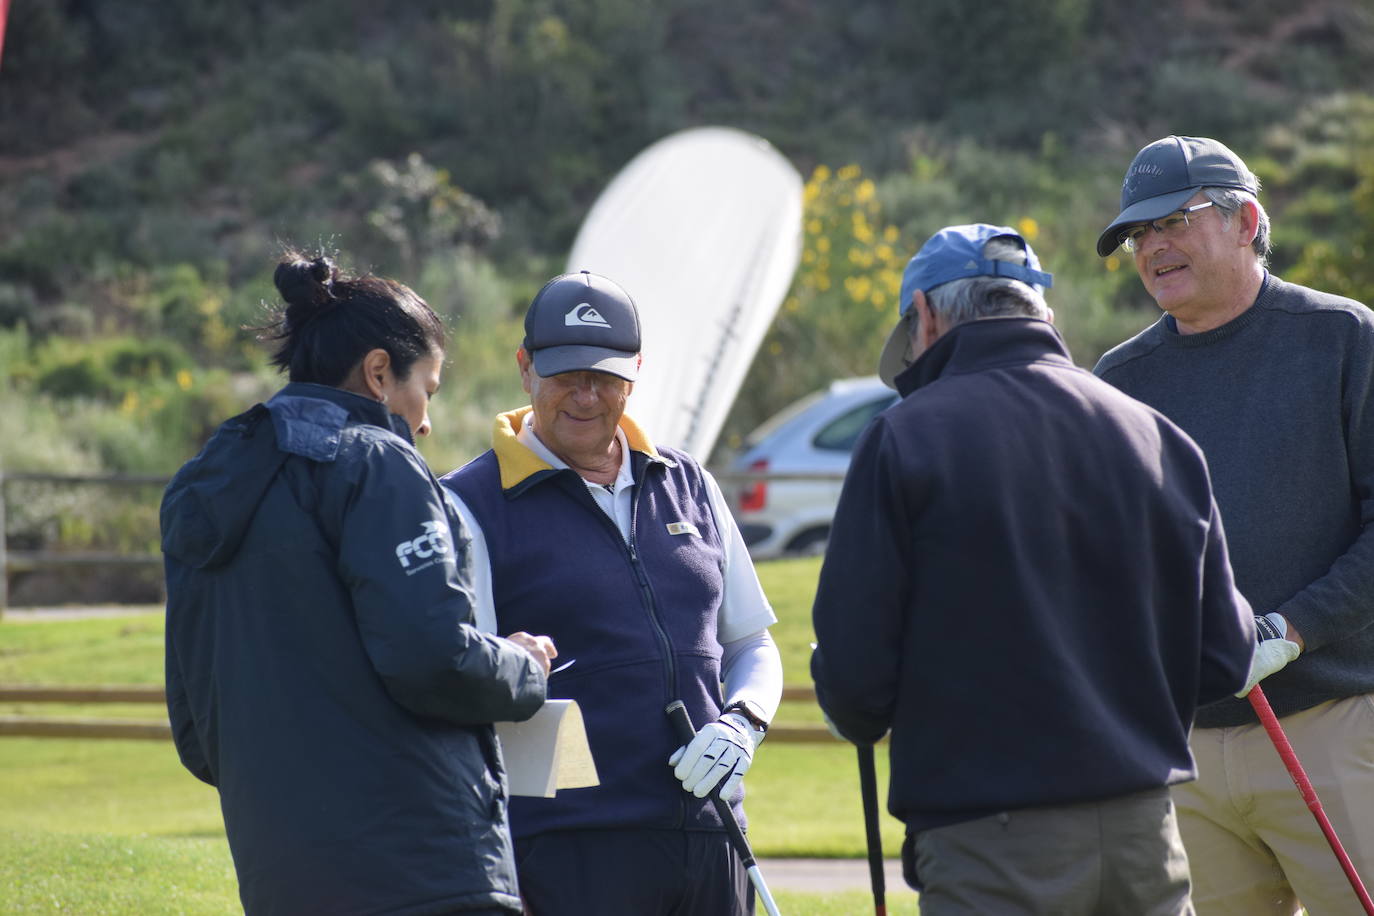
[{"x": 703, "y": 229}]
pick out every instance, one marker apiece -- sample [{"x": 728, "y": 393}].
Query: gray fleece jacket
[{"x": 1281, "y": 399}]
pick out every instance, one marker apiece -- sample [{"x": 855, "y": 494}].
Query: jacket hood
[
  {"x": 211, "y": 501},
  {"x": 983, "y": 344}
]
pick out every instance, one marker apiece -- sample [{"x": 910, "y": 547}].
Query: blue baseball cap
[
  {"x": 1165, "y": 174},
  {"x": 953, "y": 253},
  {"x": 583, "y": 322}
]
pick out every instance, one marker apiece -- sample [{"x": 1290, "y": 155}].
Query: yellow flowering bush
[
  {"x": 844, "y": 295},
  {"x": 849, "y": 257}
]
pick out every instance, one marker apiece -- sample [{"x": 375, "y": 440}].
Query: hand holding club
[
  {"x": 1273, "y": 650},
  {"x": 721, "y": 752}
]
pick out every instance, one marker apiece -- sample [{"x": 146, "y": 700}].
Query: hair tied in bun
[{"x": 323, "y": 271}]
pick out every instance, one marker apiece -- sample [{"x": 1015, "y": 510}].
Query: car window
[
  {"x": 841, "y": 433},
  {"x": 767, "y": 427}
]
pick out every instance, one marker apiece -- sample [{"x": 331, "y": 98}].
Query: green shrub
[
  {"x": 18, "y": 304},
  {"x": 107, "y": 369},
  {"x": 44, "y": 439},
  {"x": 147, "y": 359},
  {"x": 484, "y": 313},
  {"x": 83, "y": 376}
]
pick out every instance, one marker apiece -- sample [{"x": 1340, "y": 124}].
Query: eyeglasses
[{"x": 1171, "y": 225}]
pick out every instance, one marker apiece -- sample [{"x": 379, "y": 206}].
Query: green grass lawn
[
  {"x": 97, "y": 650},
  {"x": 108, "y": 826}
]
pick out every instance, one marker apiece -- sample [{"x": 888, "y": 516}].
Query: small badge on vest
[{"x": 683, "y": 528}]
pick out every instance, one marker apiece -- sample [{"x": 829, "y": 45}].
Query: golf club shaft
[
  {"x": 1260, "y": 703},
  {"x": 682, "y": 724},
  {"x": 760, "y": 888},
  {"x": 868, "y": 790}
]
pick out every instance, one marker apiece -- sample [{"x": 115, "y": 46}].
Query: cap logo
[{"x": 585, "y": 315}]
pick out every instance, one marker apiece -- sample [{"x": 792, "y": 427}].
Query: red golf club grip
[{"x": 1260, "y": 703}]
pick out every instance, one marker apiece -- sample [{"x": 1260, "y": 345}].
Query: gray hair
[
  {"x": 971, "y": 298},
  {"x": 1229, "y": 201}
]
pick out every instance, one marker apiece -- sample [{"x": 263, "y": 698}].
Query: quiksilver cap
[{"x": 583, "y": 322}]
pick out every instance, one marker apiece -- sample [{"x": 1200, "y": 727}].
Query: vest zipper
[
  {"x": 651, "y": 610},
  {"x": 650, "y": 605}
]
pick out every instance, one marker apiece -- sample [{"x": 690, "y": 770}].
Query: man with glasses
[{"x": 1276, "y": 383}]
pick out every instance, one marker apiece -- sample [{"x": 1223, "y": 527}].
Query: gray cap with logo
[
  {"x": 583, "y": 322},
  {"x": 1165, "y": 174}
]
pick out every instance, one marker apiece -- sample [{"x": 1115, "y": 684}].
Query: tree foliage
[{"x": 154, "y": 156}]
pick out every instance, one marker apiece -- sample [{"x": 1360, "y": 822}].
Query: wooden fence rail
[
  {"x": 126, "y": 729},
  {"x": 12, "y": 561},
  {"x": 71, "y": 727},
  {"x": 51, "y": 727},
  {"x": 44, "y": 693}
]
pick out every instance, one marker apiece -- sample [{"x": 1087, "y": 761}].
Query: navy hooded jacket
[{"x": 322, "y": 667}]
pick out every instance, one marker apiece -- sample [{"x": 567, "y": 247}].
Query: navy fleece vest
[{"x": 639, "y": 619}]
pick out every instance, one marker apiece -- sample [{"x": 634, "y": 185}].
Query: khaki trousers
[{"x": 1254, "y": 847}]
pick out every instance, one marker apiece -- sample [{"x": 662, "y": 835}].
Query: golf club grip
[
  {"x": 682, "y": 724},
  {"x": 868, "y": 790}
]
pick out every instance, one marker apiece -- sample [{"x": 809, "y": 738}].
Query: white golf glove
[
  {"x": 722, "y": 750},
  {"x": 1272, "y": 650}
]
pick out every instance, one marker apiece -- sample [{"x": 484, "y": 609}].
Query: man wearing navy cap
[
  {"x": 628, "y": 553},
  {"x": 1276, "y": 383},
  {"x": 1027, "y": 583}
]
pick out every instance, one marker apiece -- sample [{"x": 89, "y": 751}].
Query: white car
[{"x": 791, "y": 513}]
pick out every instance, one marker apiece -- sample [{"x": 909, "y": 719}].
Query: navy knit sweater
[{"x": 1281, "y": 399}]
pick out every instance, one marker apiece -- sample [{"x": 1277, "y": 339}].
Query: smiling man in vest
[{"x": 628, "y": 555}]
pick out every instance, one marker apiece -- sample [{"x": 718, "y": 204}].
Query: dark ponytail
[{"x": 331, "y": 321}]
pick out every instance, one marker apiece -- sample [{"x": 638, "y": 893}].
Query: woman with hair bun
[{"x": 323, "y": 670}]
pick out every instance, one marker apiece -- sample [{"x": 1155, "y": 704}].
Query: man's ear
[
  {"x": 526, "y": 364},
  {"x": 928, "y": 328},
  {"x": 1249, "y": 222}
]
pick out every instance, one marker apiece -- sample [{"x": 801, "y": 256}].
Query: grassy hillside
[{"x": 153, "y": 157}]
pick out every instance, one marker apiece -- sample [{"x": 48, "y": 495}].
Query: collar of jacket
[
  {"x": 987, "y": 343},
  {"x": 519, "y": 465},
  {"x": 360, "y": 408}
]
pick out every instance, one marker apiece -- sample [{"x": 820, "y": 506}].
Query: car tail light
[{"x": 754, "y": 496}]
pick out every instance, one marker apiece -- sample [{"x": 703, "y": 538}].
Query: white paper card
[{"x": 548, "y": 751}]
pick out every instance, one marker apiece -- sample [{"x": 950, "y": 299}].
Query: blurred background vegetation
[{"x": 154, "y": 156}]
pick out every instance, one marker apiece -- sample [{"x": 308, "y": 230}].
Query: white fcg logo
[
  {"x": 584, "y": 314},
  {"x": 433, "y": 541}
]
